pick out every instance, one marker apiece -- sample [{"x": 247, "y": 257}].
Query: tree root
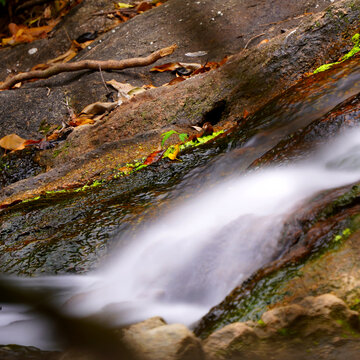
[{"x": 88, "y": 64}]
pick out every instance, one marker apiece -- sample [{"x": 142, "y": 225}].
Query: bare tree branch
[{"x": 88, "y": 64}]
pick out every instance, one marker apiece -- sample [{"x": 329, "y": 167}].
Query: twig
[
  {"x": 253, "y": 38},
  {"x": 102, "y": 78},
  {"x": 88, "y": 64}
]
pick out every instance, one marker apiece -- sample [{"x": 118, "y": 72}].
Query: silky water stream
[{"x": 189, "y": 258}]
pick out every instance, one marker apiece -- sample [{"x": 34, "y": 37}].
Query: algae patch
[{"x": 356, "y": 41}]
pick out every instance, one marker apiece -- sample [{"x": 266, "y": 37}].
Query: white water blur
[{"x": 191, "y": 258}]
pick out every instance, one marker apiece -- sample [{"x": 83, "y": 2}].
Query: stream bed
[{"x": 175, "y": 238}]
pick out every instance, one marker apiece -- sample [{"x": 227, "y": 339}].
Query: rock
[
  {"x": 280, "y": 317},
  {"x": 218, "y": 344},
  {"x": 145, "y": 325},
  {"x": 290, "y": 332},
  {"x": 153, "y": 339}
]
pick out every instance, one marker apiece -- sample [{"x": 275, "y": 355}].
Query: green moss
[
  {"x": 64, "y": 149},
  {"x": 283, "y": 331},
  {"x": 356, "y": 41},
  {"x": 44, "y": 127},
  {"x": 193, "y": 143}
]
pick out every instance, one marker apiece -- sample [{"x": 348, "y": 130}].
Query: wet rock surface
[
  {"x": 16, "y": 352},
  {"x": 320, "y": 327},
  {"x": 232, "y": 89},
  {"x": 315, "y": 229}
]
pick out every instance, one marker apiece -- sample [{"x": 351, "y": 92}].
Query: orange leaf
[
  {"x": 81, "y": 121},
  {"x": 264, "y": 41},
  {"x": 12, "y": 142},
  {"x": 166, "y": 67},
  {"x": 154, "y": 157}
]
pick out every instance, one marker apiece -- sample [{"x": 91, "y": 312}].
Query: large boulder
[{"x": 153, "y": 339}]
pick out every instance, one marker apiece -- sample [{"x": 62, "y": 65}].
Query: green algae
[
  {"x": 356, "y": 41},
  {"x": 128, "y": 168}
]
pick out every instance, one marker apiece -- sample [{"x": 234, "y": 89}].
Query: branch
[{"x": 88, "y": 64}]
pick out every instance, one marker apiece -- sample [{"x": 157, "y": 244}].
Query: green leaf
[
  {"x": 183, "y": 137},
  {"x": 166, "y": 135}
]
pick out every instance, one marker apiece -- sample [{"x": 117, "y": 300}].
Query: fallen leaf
[
  {"x": 12, "y": 142},
  {"x": 175, "y": 80},
  {"x": 166, "y": 67},
  {"x": 197, "y": 128},
  {"x": 196, "y": 54},
  {"x": 144, "y": 6},
  {"x": 173, "y": 155},
  {"x": 136, "y": 90},
  {"x": 98, "y": 108},
  {"x": 154, "y": 157},
  {"x": 122, "y": 88},
  {"x": 177, "y": 65},
  {"x": 81, "y": 121},
  {"x": 65, "y": 57},
  {"x": 123, "y": 5},
  {"x": 23, "y": 34},
  {"x": 264, "y": 41},
  {"x": 47, "y": 12}
]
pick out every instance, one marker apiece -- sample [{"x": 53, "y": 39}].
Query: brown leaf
[
  {"x": 122, "y": 88},
  {"x": 65, "y": 57},
  {"x": 154, "y": 157},
  {"x": 166, "y": 67},
  {"x": 98, "y": 108},
  {"x": 143, "y": 6},
  {"x": 81, "y": 120},
  {"x": 12, "y": 142},
  {"x": 175, "y": 80}
]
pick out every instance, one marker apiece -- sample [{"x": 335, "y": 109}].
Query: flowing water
[
  {"x": 191, "y": 258},
  {"x": 209, "y": 237}
]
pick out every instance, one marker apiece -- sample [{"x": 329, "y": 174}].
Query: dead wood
[{"x": 88, "y": 64}]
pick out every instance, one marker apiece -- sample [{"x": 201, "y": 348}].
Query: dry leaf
[
  {"x": 12, "y": 142},
  {"x": 175, "y": 80},
  {"x": 82, "y": 120},
  {"x": 154, "y": 157},
  {"x": 264, "y": 41},
  {"x": 166, "y": 67},
  {"x": 23, "y": 34},
  {"x": 122, "y": 88},
  {"x": 98, "y": 108},
  {"x": 67, "y": 56},
  {"x": 197, "y": 128},
  {"x": 144, "y": 6}
]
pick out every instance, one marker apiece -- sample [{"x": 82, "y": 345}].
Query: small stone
[{"x": 32, "y": 51}]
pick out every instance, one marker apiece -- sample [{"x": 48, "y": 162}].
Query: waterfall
[{"x": 187, "y": 261}]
